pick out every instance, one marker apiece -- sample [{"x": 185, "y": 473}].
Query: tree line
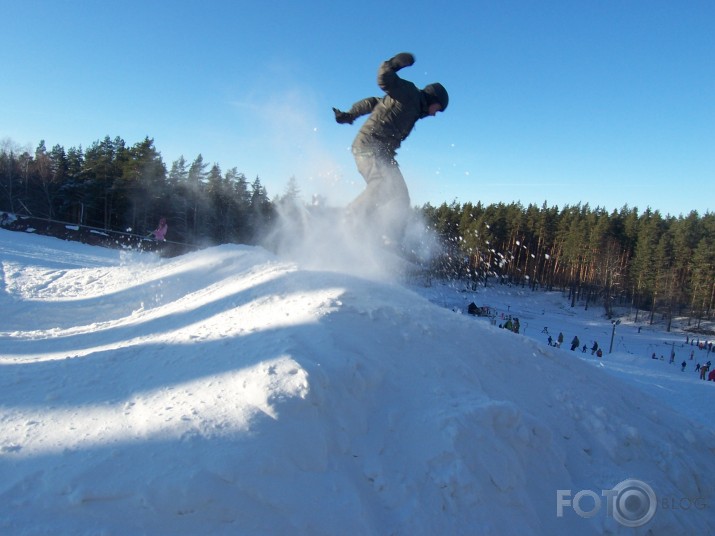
[
  {"x": 111, "y": 186},
  {"x": 661, "y": 264}
]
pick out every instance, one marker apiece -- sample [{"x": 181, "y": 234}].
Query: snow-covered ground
[{"x": 230, "y": 391}]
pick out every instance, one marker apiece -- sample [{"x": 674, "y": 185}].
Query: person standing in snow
[
  {"x": 509, "y": 325},
  {"x": 703, "y": 371},
  {"x": 594, "y": 347},
  {"x": 160, "y": 232},
  {"x": 574, "y": 343},
  {"x": 385, "y": 202}
]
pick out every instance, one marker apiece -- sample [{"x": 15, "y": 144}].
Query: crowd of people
[
  {"x": 575, "y": 343},
  {"x": 704, "y": 371}
]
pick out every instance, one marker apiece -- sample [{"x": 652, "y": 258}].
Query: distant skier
[
  {"x": 385, "y": 202},
  {"x": 160, "y": 232}
]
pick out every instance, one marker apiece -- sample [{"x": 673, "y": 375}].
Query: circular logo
[{"x": 634, "y": 504}]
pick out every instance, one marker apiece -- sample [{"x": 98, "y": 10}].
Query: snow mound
[{"x": 231, "y": 392}]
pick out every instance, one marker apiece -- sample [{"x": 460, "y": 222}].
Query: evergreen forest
[{"x": 661, "y": 266}]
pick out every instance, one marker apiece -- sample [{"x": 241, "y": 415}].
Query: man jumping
[{"x": 385, "y": 202}]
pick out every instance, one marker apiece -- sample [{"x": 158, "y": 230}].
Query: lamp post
[{"x": 613, "y": 333}]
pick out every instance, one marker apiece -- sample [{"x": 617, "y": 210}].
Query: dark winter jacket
[{"x": 393, "y": 116}]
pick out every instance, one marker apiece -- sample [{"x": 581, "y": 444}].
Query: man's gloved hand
[
  {"x": 403, "y": 59},
  {"x": 343, "y": 117}
]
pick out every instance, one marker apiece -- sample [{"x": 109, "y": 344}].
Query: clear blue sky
[{"x": 600, "y": 102}]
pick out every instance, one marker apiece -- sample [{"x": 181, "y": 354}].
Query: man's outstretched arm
[{"x": 362, "y": 107}]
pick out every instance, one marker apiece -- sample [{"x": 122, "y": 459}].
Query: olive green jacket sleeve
[
  {"x": 363, "y": 107},
  {"x": 390, "y": 83}
]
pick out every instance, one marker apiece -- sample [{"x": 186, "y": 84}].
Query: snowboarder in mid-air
[{"x": 385, "y": 202}]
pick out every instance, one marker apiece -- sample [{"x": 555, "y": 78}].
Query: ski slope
[{"x": 231, "y": 391}]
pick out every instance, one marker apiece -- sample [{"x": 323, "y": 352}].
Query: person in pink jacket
[{"x": 160, "y": 232}]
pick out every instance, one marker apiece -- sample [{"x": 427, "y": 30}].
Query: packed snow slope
[{"x": 230, "y": 391}]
